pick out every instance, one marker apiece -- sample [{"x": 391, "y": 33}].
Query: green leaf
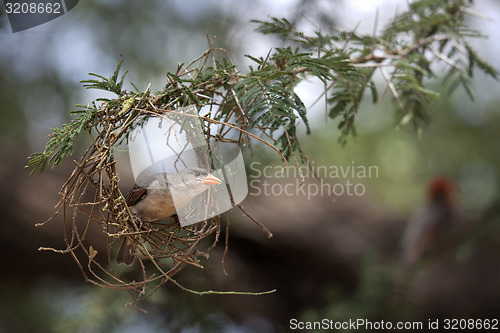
[
  {"x": 275, "y": 26},
  {"x": 112, "y": 84}
]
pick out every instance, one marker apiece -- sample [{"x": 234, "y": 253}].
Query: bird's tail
[{"x": 125, "y": 253}]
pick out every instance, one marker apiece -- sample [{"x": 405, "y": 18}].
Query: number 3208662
[
  {"x": 478, "y": 324},
  {"x": 33, "y": 8}
]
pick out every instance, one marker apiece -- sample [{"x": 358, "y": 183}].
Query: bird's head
[
  {"x": 190, "y": 182},
  {"x": 441, "y": 188},
  {"x": 194, "y": 179}
]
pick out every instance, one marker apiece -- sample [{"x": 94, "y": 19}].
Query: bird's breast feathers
[{"x": 156, "y": 205}]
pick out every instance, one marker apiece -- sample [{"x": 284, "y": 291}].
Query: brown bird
[
  {"x": 151, "y": 199},
  {"x": 430, "y": 221}
]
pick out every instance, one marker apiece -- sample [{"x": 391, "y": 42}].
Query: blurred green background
[{"x": 334, "y": 258}]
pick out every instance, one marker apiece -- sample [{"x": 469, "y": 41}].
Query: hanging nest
[{"x": 91, "y": 198}]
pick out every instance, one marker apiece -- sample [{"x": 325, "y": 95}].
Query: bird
[
  {"x": 152, "y": 199},
  {"x": 431, "y": 221}
]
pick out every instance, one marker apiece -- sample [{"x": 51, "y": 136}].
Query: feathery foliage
[{"x": 410, "y": 47}]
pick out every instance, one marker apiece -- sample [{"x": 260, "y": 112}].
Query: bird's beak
[{"x": 211, "y": 180}]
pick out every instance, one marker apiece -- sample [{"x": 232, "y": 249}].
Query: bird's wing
[{"x": 135, "y": 195}]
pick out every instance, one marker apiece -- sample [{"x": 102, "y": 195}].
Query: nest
[{"x": 91, "y": 197}]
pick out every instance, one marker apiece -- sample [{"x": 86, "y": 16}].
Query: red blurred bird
[{"x": 425, "y": 227}]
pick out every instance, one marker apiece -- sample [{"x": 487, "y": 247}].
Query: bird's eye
[{"x": 197, "y": 173}]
